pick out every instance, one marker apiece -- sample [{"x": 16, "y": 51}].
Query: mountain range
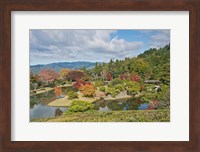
[{"x": 60, "y": 65}]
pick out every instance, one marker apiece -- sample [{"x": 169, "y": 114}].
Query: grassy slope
[{"x": 114, "y": 116}]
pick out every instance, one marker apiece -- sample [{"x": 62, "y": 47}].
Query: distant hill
[{"x": 58, "y": 66}]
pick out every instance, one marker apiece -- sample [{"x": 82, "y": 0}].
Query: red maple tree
[{"x": 48, "y": 75}]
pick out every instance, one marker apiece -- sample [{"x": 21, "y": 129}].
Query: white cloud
[
  {"x": 79, "y": 45},
  {"x": 160, "y": 38}
]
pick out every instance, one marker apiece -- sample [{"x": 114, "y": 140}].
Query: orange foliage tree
[
  {"x": 77, "y": 74},
  {"x": 57, "y": 91},
  {"x": 88, "y": 90},
  {"x": 79, "y": 83}
]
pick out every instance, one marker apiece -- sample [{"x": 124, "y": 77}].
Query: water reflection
[
  {"x": 44, "y": 111},
  {"x": 143, "y": 106},
  {"x": 39, "y": 105},
  {"x": 120, "y": 104}
]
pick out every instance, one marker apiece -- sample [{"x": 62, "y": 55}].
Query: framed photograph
[{"x": 100, "y": 76}]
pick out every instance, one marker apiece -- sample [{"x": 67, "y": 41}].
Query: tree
[
  {"x": 103, "y": 74},
  {"x": 64, "y": 72},
  {"x": 88, "y": 90},
  {"x": 79, "y": 83},
  {"x": 135, "y": 77},
  {"x": 124, "y": 76},
  {"x": 97, "y": 69},
  {"x": 133, "y": 87},
  {"x": 139, "y": 66},
  {"x": 48, "y": 75},
  {"x": 34, "y": 81},
  {"x": 77, "y": 74},
  {"x": 109, "y": 77},
  {"x": 58, "y": 91}
]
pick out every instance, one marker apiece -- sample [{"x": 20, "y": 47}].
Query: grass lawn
[{"x": 162, "y": 115}]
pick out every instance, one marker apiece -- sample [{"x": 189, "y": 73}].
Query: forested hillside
[
  {"x": 58, "y": 66},
  {"x": 152, "y": 64}
]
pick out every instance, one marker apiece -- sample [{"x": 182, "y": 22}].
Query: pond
[
  {"x": 44, "y": 111},
  {"x": 120, "y": 104},
  {"x": 39, "y": 105}
]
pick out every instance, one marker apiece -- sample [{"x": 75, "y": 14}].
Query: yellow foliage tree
[{"x": 64, "y": 72}]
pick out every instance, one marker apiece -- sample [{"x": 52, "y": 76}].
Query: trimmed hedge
[{"x": 114, "y": 116}]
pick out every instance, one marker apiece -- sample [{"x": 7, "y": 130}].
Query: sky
[{"x": 50, "y": 46}]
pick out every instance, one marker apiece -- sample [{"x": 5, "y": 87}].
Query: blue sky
[{"x": 48, "y": 46}]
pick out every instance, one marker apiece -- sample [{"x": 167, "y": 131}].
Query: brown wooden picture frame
[{"x": 193, "y": 6}]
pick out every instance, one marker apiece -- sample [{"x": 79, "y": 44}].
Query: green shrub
[
  {"x": 98, "y": 83},
  {"x": 112, "y": 91},
  {"x": 80, "y": 106},
  {"x": 63, "y": 83},
  {"x": 120, "y": 87},
  {"x": 51, "y": 85},
  {"x": 103, "y": 89},
  {"x": 164, "y": 97},
  {"x": 116, "y": 81},
  {"x": 133, "y": 87},
  {"x": 72, "y": 95},
  {"x": 149, "y": 87},
  {"x": 145, "y": 99}
]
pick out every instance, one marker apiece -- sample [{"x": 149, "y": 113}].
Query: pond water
[
  {"x": 39, "y": 105},
  {"x": 120, "y": 104},
  {"x": 44, "y": 111}
]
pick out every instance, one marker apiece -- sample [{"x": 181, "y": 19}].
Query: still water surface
[{"x": 39, "y": 105}]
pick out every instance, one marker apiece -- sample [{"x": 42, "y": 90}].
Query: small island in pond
[{"x": 100, "y": 75}]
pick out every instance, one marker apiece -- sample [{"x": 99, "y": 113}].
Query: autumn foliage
[
  {"x": 48, "y": 75},
  {"x": 88, "y": 90},
  {"x": 79, "y": 83},
  {"x": 124, "y": 76},
  {"x": 64, "y": 72},
  {"x": 75, "y": 75},
  {"x": 135, "y": 77},
  {"x": 57, "y": 91},
  {"x": 109, "y": 76}
]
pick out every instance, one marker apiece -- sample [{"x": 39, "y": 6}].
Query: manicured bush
[
  {"x": 98, "y": 83},
  {"x": 80, "y": 106},
  {"x": 133, "y": 87},
  {"x": 72, "y": 95},
  {"x": 112, "y": 91},
  {"x": 120, "y": 87},
  {"x": 116, "y": 81},
  {"x": 103, "y": 89}
]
